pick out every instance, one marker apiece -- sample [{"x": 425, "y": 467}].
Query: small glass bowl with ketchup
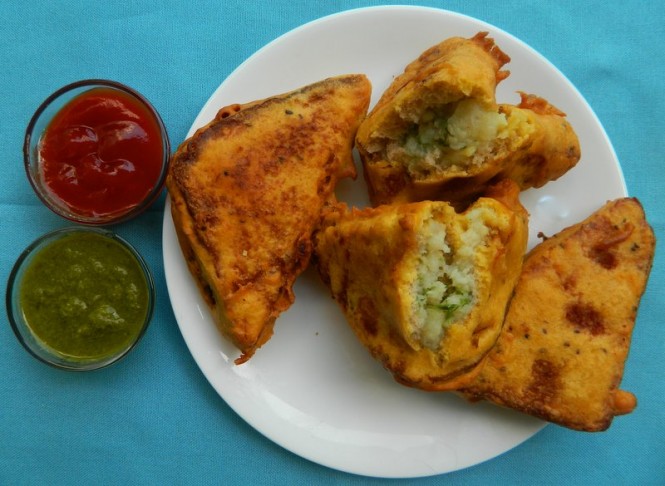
[{"x": 96, "y": 152}]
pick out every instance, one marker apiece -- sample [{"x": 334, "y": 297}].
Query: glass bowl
[
  {"x": 96, "y": 152},
  {"x": 80, "y": 298}
]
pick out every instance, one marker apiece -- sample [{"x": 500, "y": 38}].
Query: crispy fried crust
[
  {"x": 540, "y": 148},
  {"x": 246, "y": 191},
  {"x": 567, "y": 332},
  {"x": 368, "y": 260}
]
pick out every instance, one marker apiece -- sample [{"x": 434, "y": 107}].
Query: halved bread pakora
[
  {"x": 567, "y": 333},
  {"x": 437, "y": 132},
  {"x": 424, "y": 288},
  {"x": 247, "y": 190}
]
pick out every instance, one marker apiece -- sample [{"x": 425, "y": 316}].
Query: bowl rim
[
  {"x": 63, "y": 211},
  {"x": 13, "y": 287}
]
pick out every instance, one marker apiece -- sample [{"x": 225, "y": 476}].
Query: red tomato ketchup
[{"x": 103, "y": 153}]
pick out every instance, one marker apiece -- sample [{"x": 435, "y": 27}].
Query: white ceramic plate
[{"x": 312, "y": 388}]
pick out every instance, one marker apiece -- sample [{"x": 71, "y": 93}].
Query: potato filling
[
  {"x": 456, "y": 135},
  {"x": 445, "y": 287}
]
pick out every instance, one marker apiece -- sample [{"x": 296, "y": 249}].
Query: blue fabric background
[{"x": 154, "y": 419}]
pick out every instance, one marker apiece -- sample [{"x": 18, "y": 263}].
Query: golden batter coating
[
  {"x": 424, "y": 288},
  {"x": 567, "y": 332},
  {"x": 247, "y": 190},
  {"x": 437, "y": 132}
]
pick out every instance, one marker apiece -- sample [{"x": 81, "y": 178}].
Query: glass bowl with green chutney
[{"x": 80, "y": 298}]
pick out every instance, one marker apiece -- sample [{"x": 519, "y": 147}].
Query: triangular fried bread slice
[
  {"x": 567, "y": 332},
  {"x": 246, "y": 191},
  {"x": 424, "y": 288}
]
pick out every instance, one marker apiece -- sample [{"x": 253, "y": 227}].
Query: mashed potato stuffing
[
  {"x": 458, "y": 135},
  {"x": 445, "y": 288}
]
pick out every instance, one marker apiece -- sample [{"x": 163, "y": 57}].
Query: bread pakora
[
  {"x": 438, "y": 133},
  {"x": 423, "y": 287},
  {"x": 246, "y": 191},
  {"x": 567, "y": 333}
]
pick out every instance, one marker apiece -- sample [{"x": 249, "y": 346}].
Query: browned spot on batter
[
  {"x": 573, "y": 152},
  {"x": 570, "y": 283},
  {"x": 603, "y": 257},
  {"x": 585, "y": 317},
  {"x": 228, "y": 111},
  {"x": 399, "y": 367},
  {"x": 544, "y": 381},
  {"x": 208, "y": 295},
  {"x": 602, "y": 252},
  {"x": 394, "y": 184},
  {"x": 368, "y": 316}
]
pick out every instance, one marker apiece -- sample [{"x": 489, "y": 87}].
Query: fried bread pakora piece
[
  {"x": 567, "y": 332},
  {"x": 424, "y": 288},
  {"x": 247, "y": 190},
  {"x": 437, "y": 132}
]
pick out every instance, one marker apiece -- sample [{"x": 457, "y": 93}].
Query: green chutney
[{"x": 85, "y": 296}]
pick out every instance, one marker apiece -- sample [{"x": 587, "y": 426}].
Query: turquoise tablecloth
[{"x": 154, "y": 418}]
